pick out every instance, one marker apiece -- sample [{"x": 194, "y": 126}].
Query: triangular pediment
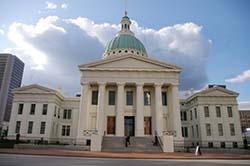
[
  {"x": 33, "y": 88},
  {"x": 217, "y": 91},
  {"x": 130, "y": 62}
]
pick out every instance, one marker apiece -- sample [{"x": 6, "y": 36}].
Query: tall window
[
  {"x": 147, "y": 98},
  {"x": 232, "y": 131},
  {"x": 18, "y": 126},
  {"x": 129, "y": 97},
  {"x": 193, "y": 131},
  {"x": 30, "y": 127},
  {"x": 45, "y": 109},
  {"x": 197, "y": 130},
  {"x": 94, "y": 97},
  {"x": 66, "y": 130},
  {"x": 67, "y": 114},
  {"x": 20, "y": 109},
  {"x": 32, "y": 109},
  {"x": 229, "y": 112},
  {"x": 111, "y": 97},
  {"x": 55, "y": 111},
  {"x": 184, "y": 131},
  {"x": 183, "y": 115},
  {"x": 220, "y": 129},
  {"x": 206, "y": 111},
  {"x": 208, "y": 129},
  {"x": 42, "y": 128},
  {"x": 195, "y": 113},
  {"x": 191, "y": 115},
  {"x": 218, "y": 111},
  {"x": 164, "y": 98}
]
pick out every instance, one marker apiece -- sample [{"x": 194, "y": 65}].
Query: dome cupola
[{"x": 125, "y": 42}]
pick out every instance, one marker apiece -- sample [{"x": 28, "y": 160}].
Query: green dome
[{"x": 124, "y": 41}]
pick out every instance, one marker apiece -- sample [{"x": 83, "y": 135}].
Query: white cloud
[
  {"x": 240, "y": 78},
  {"x": 64, "y": 6},
  {"x": 50, "y": 5},
  {"x": 58, "y": 45},
  {"x": 245, "y": 105},
  {"x": 1, "y": 31}
]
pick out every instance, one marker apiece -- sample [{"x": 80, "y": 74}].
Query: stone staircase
[{"x": 138, "y": 144}]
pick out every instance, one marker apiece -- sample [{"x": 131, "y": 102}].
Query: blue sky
[{"x": 223, "y": 36}]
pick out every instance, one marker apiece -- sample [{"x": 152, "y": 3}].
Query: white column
[
  {"x": 174, "y": 110},
  {"x": 158, "y": 109},
  {"x": 139, "y": 130},
  {"x": 83, "y": 111},
  {"x": 119, "y": 112},
  {"x": 100, "y": 123}
]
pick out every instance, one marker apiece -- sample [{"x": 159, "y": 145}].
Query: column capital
[
  {"x": 120, "y": 83},
  {"x": 84, "y": 83},
  {"x": 158, "y": 84},
  {"x": 102, "y": 83},
  {"x": 139, "y": 84}
]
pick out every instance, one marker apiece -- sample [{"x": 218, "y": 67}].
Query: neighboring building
[
  {"x": 244, "y": 120},
  {"x": 40, "y": 112},
  {"x": 11, "y": 73},
  {"x": 211, "y": 118}
]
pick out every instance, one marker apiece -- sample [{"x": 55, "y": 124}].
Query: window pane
[
  {"x": 45, "y": 108},
  {"x": 111, "y": 97},
  {"x": 30, "y": 127},
  {"x": 206, "y": 111},
  {"x": 164, "y": 98},
  {"x": 18, "y": 125},
  {"x": 220, "y": 129},
  {"x": 94, "y": 97},
  {"x": 129, "y": 97},
  {"x": 20, "y": 109},
  {"x": 42, "y": 129},
  {"x": 69, "y": 114},
  {"x": 32, "y": 109},
  {"x": 147, "y": 98},
  {"x": 232, "y": 131},
  {"x": 229, "y": 111},
  {"x": 208, "y": 129},
  {"x": 218, "y": 112}
]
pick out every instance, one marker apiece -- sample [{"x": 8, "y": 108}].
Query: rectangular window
[
  {"x": 32, "y": 109},
  {"x": 218, "y": 111},
  {"x": 30, "y": 127},
  {"x": 66, "y": 130},
  {"x": 193, "y": 131},
  {"x": 45, "y": 109},
  {"x": 210, "y": 144},
  {"x": 147, "y": 98},
  {"x": 222, "y": 144},
  {"x": 220, "y": 129},
  {"x": 229, "y": 112},
  {"x": 94, "y": 97},
  {"x": 42, "y": 128},
  {"x": 235, "y": 145},
  {"x": 18, "y": 126},
  {"x": 67, "y": 114},
  {"x": 195, "y": 113},
  {"x": 111, "y": 97},
  {"x": 184, "y": 131},
  {"x": 197, "y": 130},
  {"x": 191, "y": 115},
  {"x": 164, "y": 98},
  {"x": 206, "y": 111},
  {"x": 129, "y": 97},
  {"x": 20, "y": 109},
  {"x": 232, "y": 131},
  {"x": 55, "y": 111},
  {"x": 208, "y": 129}
]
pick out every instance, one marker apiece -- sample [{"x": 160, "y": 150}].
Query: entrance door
[
  {"x": 129, "y": 125},
  {"x": 147, "y": 126},
  {"x": 111, "y": 125}
]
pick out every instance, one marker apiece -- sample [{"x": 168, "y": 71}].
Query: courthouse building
[{"x": 126, "y": 93}]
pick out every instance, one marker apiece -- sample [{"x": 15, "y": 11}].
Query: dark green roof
[{"x": 124, "y": 41}]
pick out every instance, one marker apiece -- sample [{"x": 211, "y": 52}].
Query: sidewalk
[{"x": 73, "y": 153}]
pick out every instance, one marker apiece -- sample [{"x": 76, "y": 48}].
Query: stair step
[{"x": 138, "y": 144}]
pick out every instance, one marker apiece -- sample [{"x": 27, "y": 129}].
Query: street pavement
[{"x": 36, "y": 160}]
